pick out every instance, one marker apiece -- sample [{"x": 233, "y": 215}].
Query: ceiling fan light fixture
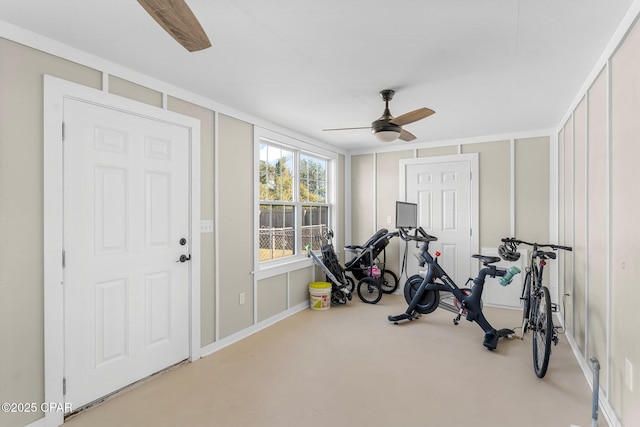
[{"x": 386, "y": 135}]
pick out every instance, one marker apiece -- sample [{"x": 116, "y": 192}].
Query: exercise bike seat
[{"x": 486, "y": 259}]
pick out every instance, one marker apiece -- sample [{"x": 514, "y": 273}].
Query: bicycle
[
  {"x": 537, "y": 308},
  {"x": 422, "y": 291}
]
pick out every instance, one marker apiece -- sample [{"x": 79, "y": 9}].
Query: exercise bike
[{"x": 422, "y": 291}]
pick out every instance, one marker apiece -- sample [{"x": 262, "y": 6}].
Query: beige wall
[
  {"x": 235, "y": 195},
  {"x": 272, "y": 296},
  {"x": 495, "y": 190},
  {"x": 598, "y": 159},
  {"x": 566, "y": 238},
  {"x": 21, "y": 220},
  {"x": 625, "y": 233},
  {"x": 597, "y": 185},
  {"x": 446, "y": 150},
  {"x": 207, "y": 187},
  {"x": 579, "y": 221},
  {"x": 532, "y": 189},
  {"x": 299, "y": 286},
  {"x": 387, "y": 192},
  {"x": 362, "y": 198},
  {"x": 127, "y": 89}
]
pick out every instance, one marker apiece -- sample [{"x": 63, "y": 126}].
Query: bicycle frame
[{"x": 537, "y": 306}]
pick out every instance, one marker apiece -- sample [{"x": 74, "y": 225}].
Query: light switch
[{"x": 206, "y": 226}]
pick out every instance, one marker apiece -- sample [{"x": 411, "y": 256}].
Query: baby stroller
[
  {"x": 374, "y": 279},
  {"x": 341, "y": 284}
]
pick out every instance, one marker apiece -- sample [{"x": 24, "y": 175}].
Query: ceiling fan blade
[
  {"x": 179, "y": 21},
  {"x": 412, "y": 116},
  {"x": 406, "y": 136},
  {"x": 363, "y": 127}
]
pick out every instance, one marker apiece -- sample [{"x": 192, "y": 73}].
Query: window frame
[{"x": 298, "y": 147}]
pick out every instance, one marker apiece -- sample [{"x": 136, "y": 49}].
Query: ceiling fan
[
  {"x": 179, "y": 21},
  {"x": 388, "y": 128}
]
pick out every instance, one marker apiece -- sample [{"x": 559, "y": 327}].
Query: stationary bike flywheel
[{"x": 429, "y": 300}]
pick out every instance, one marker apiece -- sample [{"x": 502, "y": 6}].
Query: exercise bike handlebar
[{"x": 424, "y": 237}]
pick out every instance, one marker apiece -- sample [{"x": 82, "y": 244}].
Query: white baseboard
[
  {"x": 231, "y": 339},
  {"x": 37, "y": 423}
]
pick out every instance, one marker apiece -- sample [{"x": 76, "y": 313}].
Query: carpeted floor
[{"x": 348, "y": 366}]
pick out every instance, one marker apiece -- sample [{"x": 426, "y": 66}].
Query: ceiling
[{"x": 485, "y": 66}]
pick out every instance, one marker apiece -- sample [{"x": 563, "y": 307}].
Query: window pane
[
  {"x": 277, "y": 231},
  {"x": 314, "y": 225},
  {"x": 276, "y": 173},
  {"x": 313, "y": 177}
]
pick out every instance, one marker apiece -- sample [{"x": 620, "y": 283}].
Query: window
[{"x": 294, "y": 200}]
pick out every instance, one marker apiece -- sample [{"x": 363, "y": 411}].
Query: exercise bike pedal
[
  {"x": 507, "y": 333},
  {"x": 404, "y": 316}
]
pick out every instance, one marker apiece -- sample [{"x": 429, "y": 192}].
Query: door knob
[{"x": 184, "y": 258}]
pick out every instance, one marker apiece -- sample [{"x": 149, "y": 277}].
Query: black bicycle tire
[
  {"x": 430, "y": 299},
  {"x": 369, "y": 290},
  {"x": 386, "y": 285},
  {"x": 542, "y": 333},
  {"x": 526, "y": 302}
]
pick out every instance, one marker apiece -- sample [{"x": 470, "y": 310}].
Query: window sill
[{"x": 274, "y": 268}]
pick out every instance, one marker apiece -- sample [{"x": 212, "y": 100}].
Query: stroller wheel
[
  {"x": 337, "y": 297},
  {"x": 369, "y": 290},
  {"x": 351, "y": 285},
  {"x": 388, "y": 281}
]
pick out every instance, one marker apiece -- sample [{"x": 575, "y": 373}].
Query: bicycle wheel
[
  {"x": 526, "y": 302},
  {"x": 542, "y": 332},
  {"x": 429, "y": 300},
  {"x": 388, "y": 281},
  {"x": 369, "y": 290}
]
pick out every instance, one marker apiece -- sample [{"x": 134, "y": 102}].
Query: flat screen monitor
[{"x": 406, "y": 215}]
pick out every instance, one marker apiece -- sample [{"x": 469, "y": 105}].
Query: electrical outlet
[
  {"x": 241, "y": 299},
  {"x": 628, "y": 374},
  {"x": 389, "y": 219}
]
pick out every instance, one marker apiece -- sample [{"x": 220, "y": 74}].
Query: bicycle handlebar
[{"x": 539, "y": 245}]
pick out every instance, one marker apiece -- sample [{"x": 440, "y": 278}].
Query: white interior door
[
  {"x": 442, "y": 191},
  {"x": 126, "y": 209}
]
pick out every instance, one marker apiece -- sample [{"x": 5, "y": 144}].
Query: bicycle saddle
[{"x": 486, "y": 260}]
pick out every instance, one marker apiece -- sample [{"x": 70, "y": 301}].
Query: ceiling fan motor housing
[{"x": 384, "y": 125}]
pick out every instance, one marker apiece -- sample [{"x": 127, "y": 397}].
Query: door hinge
[
  {"x": 64, "y": 386},
  {"x": 63, "y": 131},
  {"x": 471, "y": 232},
  {"x": 64, "y": 256}
]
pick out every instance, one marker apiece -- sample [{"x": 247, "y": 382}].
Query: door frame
[
  {"x": 472, "y": 160},
  {"x": 55, "y": 92}
]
